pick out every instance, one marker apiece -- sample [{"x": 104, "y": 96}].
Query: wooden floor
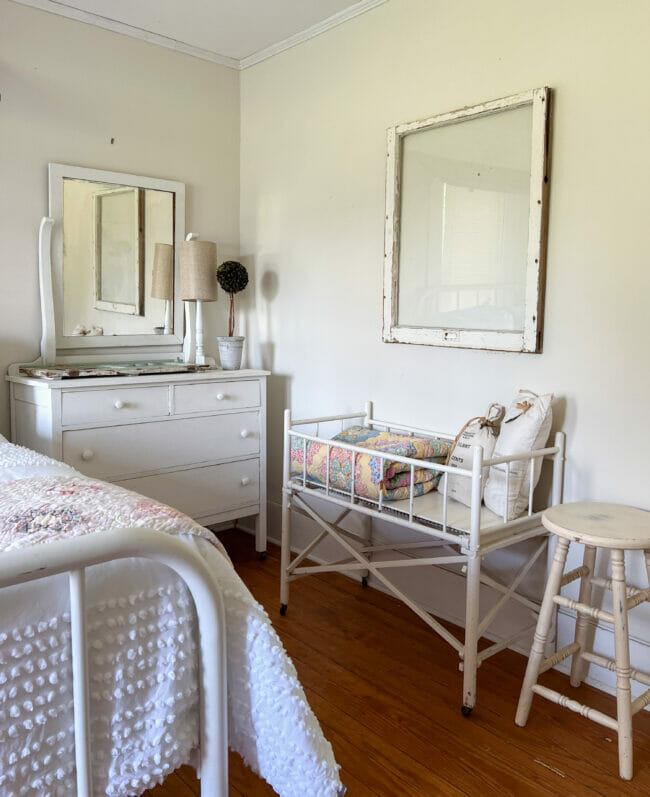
[{"x": 386, "y": 691}]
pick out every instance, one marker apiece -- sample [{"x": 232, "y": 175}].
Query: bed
[
  {"x": 169, "y": 629},
  {"x": 448, "y": 533}
]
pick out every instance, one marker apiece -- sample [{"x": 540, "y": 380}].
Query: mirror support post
[{"x": 48, "y": 336}]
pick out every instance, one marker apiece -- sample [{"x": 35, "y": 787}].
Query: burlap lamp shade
[
  {"x": 199, "y": 270},
  {"x": 162, "y": 285}
]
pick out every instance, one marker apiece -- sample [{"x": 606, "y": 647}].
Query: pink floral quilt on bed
[{"x": 39, "y": 510}]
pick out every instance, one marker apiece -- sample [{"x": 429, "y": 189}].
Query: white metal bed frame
[
  {"x": 463, "y": 547},
  {"x": 74, "y": 556}
]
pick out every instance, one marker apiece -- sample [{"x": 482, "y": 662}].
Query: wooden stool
[{"x": 618, "y": 528}]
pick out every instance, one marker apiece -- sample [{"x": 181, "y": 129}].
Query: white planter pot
[{"x": 230, "y": 352}]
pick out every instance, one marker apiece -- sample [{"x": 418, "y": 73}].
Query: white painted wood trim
[
  {"x": 170, "y": 43},
  {"x": 57, "y": 172},
  {"x": 310, "y": 33},
  {"x": 130, "y": 30},
  {"x": 530, "y": 338}
]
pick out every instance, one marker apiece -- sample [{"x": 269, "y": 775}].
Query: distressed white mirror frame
[
  {"x": 51, "y": 272},
  {"x": 528, "y": 340}
]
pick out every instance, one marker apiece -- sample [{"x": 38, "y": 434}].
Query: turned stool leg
[
  {"x": 541, "y": 632},
  {"x": 622, "y": 647},
  {"x": 578, "y": 665}
]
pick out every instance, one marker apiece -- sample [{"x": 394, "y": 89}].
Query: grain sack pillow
[
  {"x": 526, "y": 427},
  {"x": 480, "y": 431}
]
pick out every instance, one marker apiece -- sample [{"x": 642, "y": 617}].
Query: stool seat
[{"x": 600, "y": 524}]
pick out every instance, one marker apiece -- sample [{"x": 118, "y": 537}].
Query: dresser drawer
[
  {"x": 215, "y": 397},
  {"x": 115, "y": 404},
  {"x": 116, "y": 451},
  {"x": 203, "y": 492}
]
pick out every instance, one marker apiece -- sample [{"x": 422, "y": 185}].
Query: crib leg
[
  {"x": 367, "y": 523},
  {"x": 470, "y": 658},
  {"x": 285, "y": 553}
]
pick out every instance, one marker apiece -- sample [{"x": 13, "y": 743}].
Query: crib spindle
[
  {"x": 411, "y": 493},
  {"x": 531, "y": 486},
  {"x": 327, "y": 469},
  {"x": 304, "y": 461},
  {"x": 507, "y": 493},
  {"x": 444, "y": 501}
]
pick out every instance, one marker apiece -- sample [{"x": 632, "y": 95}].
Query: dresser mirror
[{"x": 106, "y": 229}]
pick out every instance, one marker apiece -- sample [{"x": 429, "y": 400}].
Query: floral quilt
[{"x": 372, "y": 475}]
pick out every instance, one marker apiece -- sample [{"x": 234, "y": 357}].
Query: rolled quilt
[{"x": 372, "y": 475}]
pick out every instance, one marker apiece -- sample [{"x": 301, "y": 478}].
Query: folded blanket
[{"x": 372, "y": 475}]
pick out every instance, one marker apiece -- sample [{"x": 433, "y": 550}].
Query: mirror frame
[
  {"x": 57, "y": 173},
  {"x": 528, "y": 340}
]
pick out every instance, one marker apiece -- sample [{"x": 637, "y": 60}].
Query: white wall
[
  {"x": 67, "y": 90},
  {"x": 312, "y": 221}
]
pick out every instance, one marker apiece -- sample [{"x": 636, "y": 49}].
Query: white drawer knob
[
  {"x": 245, "y": 481},
  {"x": 220, "y": 396},
  {"x": 87, "y": 454},
  {"x": 118, "y": 404},
  {"x": 245, "y": 433}
]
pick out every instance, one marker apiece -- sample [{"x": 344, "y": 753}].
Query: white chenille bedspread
[{"x": 142, "y": 663}]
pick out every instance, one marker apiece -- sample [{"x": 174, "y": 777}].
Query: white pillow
[
  {"x": 482, "y": 431},
  {"x": 525, "y": 428}
]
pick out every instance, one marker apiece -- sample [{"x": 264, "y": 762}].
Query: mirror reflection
[
  {"x": 110, "y": 234},
  {"x": 464, "y": 223}
]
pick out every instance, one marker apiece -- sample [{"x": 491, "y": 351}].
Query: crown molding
[
  {"x": 79, "y": 15},
  {"x": 310, "y": 33},
  {"x": 64, "y": 10}
]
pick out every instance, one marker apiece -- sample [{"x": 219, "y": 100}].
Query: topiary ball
[{"x": 232, "y": 276}]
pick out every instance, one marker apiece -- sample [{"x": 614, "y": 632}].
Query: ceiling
[{"x": 237, "y": 33}]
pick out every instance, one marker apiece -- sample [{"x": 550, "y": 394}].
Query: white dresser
[{"x": 194, "y": 441}]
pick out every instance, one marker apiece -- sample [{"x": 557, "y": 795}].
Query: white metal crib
[{"x": 463, "y": 537}]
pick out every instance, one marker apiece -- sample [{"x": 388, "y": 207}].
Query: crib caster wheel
[
  {"x": 466, "y": 710},
  {"x": 261, "y": 555},
  {"x": 283, "y": 609},
  {"x": 364, "y": 581}
]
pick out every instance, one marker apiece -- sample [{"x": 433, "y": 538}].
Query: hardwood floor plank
[
  {"x": 386, "y": 691},
  {"x": 313, "y": 607}
]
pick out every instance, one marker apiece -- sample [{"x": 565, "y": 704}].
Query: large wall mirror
[
  {"x": 466, "y": 226},
  {"x": 105, "y": 236}
]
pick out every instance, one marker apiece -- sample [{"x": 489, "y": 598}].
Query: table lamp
[
  {"x": 198, "y": 281},
  {"x": 162, "y": 284}
]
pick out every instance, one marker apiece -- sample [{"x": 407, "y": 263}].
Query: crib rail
[
  {"x": 503, "y": 463},
  {"x": 73, "y": 556},
  {"x": 452, "y": 545}
]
